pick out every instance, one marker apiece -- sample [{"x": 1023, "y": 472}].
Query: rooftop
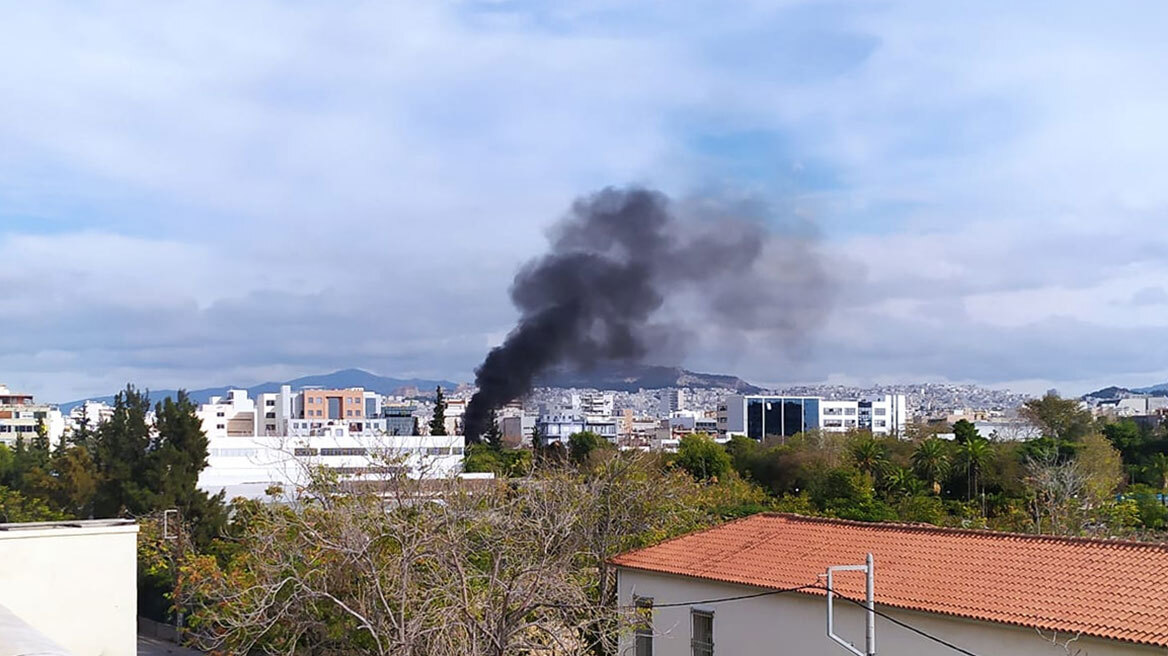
[{"x": 1105, "y": 588}]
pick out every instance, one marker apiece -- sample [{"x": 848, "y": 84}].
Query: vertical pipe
[
  {"x": 830, "y": 598},
  {"x": 871, "y": 632}
]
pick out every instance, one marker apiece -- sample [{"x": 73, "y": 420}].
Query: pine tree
[
  {"x": 177, "y": 456},
  {"x": 493, "y": 436},
  {"x": 438, "y": 423},
  {"x": 120, "y": 454}
]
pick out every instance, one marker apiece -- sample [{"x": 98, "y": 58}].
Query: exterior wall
[
  {"x": 351, "y": 403},
  {"x": 795, "y": 624},
  {"x": 248, "y": 467},
  {"x": 77, "y": 586}
]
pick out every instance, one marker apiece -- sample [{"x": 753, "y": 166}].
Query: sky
[{"x": 196, "y": 194}]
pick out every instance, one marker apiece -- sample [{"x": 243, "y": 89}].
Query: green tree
[
  {"x": 493, "y": 436},
  {"x": 122, "y": 446},
  {"x": 582, "y": 445},
  {"x": 931, "y": 462},
  {"x": 702, "y": 457},
  {"x": 1101, "y": 466},
  {"x": 438, "y": 422},
  {"x": 1158, "y": 468},
  {"x": 972, "y": 458},
  {"x": 173, "y": 463},
  {"x": 964, "y": 431},
  {"x": 1063, "y": 420},
  {"x": 870, "y": 456}
]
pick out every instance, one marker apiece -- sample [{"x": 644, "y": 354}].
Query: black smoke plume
[{"x": 601, "y": 294}]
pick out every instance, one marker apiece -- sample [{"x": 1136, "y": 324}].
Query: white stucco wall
[
  {"x": 795, "y": 624},
  {"x": 78, "y": 586}
]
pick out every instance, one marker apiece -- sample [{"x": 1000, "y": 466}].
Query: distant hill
[
  {"x": 1114, "y": 392},
  {"x": 630, "y": 378},
  {"x": 337, "y": 379}
]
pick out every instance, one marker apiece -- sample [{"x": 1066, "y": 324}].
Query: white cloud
[{"x": 208, "y": 191}]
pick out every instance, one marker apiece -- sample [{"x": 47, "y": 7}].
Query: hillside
[
  {"x": 630, "y": 378},
  {"x": 337, "y": 379}
]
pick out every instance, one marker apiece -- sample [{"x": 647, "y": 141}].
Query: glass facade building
[{"x": 780, "y": 416}]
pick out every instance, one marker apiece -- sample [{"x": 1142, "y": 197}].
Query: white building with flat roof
[
  {"x": 251, "y": 467},
  {"x": 20, "y": 416},
  {"x": 71, "y": 584}
]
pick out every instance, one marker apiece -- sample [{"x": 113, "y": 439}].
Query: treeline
[
  {"x": 1082, "y": 476},
  {"x": 129, "y": 466}
]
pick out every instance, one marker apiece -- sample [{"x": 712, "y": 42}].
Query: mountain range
[
  {"x": 617, "y": 377},
  {"x": 336, "y": 380},
  {"x": 1114, "y": 392}
]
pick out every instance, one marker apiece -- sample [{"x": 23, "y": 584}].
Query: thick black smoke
[{"x": 614, "y": 262}]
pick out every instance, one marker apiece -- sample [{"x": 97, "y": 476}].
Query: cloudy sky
[{"x": 233, "y": 192}]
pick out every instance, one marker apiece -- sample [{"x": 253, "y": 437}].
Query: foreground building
[
  {"x": 990, "y": 593},
  {"x": 762, "y": 416},
  {"x": 69, "y": 588}
]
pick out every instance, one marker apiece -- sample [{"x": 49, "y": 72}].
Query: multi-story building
[
  {"x": 20, "y": 416},
  {"x": 559, "y": 426},
  {"x": 672, "y": 400},
  {"x": 761, "y": 416}
]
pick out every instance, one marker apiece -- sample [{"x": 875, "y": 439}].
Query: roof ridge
[{"x": 932, "y": 528}]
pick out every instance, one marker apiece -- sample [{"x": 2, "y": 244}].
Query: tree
[
  {"x": 122, "y": 444},
  {"x": 1063, "y": 420},
  {"x": 176, "y": 456},
  {"x": 702, "y": 457},
  {"x": 972, "y": 458},
  {"x": 1055, "y": 486},
  {"x": 1158, "y": 467},
  {"x": 438, "y": 422},
  {"x": 964, "y": 431},
  {"x": 870, "y": 456},
  {"x": 931, "y": 462},
  {"x": 1101, "y": 467},
  {"x": 493, "y": 436},
  {"x": 582, "y": 445}
]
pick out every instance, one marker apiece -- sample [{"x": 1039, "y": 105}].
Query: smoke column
[{"x": 614, "y": 263}]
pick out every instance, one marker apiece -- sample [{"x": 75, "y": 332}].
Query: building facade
[
  {"x": 74, "y": 583},
  {"x": 20, "y": 417},
  {"x": 267, "y": 467},
  {"x": 761, "y": 416}
]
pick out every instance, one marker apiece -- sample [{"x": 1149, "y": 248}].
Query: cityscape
[{"x": 497, "y": 328}]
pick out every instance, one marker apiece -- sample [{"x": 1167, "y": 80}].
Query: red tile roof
[{"x": 1106, "y": 588}]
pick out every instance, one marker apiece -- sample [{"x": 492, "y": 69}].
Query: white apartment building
[
  {"x": 557, "y": 427},
  {"x": 672, "y": 400},
  {"x": 251, "y": 467},
  {"x": 89, "y": 414},
  {"x": 762, "y": 416},
  {"x": 20, "y": 416}
]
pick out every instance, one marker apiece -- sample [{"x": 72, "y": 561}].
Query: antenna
[{"x": 870, "y": 602}]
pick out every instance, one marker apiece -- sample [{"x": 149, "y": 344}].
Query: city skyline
[{"x": 231, "y": 194}]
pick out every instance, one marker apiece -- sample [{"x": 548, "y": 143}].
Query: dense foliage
[{"x": 126, "y": 467}]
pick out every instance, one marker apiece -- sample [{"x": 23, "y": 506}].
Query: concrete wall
[
  {"x": 794, "y": 624},
  {"x": 76, "y": 585}
]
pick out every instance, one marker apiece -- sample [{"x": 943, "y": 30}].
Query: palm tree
[
  {"x": 899, "y": 480},
  {"x": 972, "y": 456},
  {"x": 931, "y": 461},
  {"x": 870, "y": 456}
]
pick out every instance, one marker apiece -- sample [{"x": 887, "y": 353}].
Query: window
[
  {"x": 702, "y": 638},
  {"x": 220, "y": 426},
  {"x": 219, "y": 414},
  {"x": 644, "y": 632},
  {"x": 270, "y": 415},
  {"x": 270, "y": 402}
]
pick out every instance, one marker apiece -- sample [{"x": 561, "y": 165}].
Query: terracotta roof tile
[{"x": 1105, "y": 588}]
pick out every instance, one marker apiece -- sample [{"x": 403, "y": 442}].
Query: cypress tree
[{"x": 438, "y": 423}]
